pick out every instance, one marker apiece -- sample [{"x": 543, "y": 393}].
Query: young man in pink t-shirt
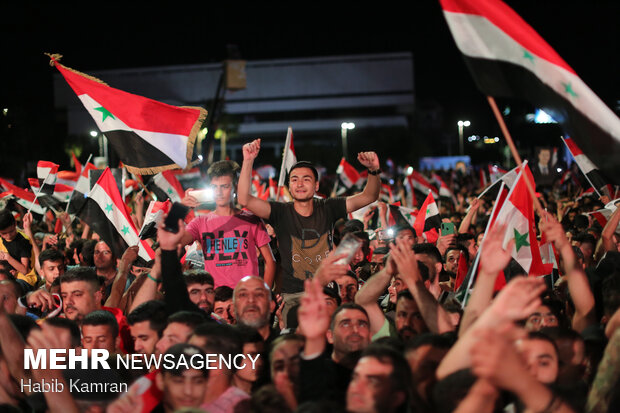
[{"x": 229, "y": 236}]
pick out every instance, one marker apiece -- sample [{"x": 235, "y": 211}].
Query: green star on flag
[
  {"x": 125, "y": 230},
  {"x": 527, "y": 55},
  {"x": 106, "y": 113},
  {"x": 568, "y": 88},
  {"x": 521, "y": 240},
  {"x": 170, "y": 191},
  {"x": 109, "y": 208}
]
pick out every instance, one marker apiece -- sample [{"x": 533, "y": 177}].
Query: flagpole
[
  {"x": 476, "y": 261},
  {"x": 36, "y": 195},
  {"x": 513, "y": 150},
  {"x": 584, "y": 174},
  {"x": 283, "y": 171}
]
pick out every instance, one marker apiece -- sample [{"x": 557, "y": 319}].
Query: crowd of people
[{"x": 377, "y": 328}]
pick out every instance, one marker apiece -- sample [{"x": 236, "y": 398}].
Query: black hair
[
  {"x": 223, "y": 293},
  {"x": 428, "y": 249},
  {"x": 224, "y": 168},
  {"x": 153, "y": 311},
  {"x": 101, "y": 318},
  {"x": 401, "y": 376},
  {"x": 221, "y": 339},
  {"x": 457, "y": 247},
  {"x": 346, "y": 306},
  {"x": 88, "y": 252},
  {"x": 189, "y": 318},
  {"x": 6, "y": 219},
  {"x": 72, "y": 326},
  {"x": 303, "y": 164},
  {"x": 444, "y": 341},
  {"x": 248, "y": 334},
  {"x": 51, "y": 254},
  {"x": 197, "y": 277},
  {"x": 86, "y": 274}
]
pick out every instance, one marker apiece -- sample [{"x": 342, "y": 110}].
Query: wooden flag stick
[{"x": 513, "y": 150}]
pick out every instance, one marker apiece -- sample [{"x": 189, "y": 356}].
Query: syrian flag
[
  {"x": 444, "y": 191},
  {"x": 80, "y": 192},
  {"x": 288, "y": 158},
  {"x": 495, "y": 173},
  {"x": 428, "y": 221},
  {"x": 590, "y": 171},
  {"x": 386, "y": 193},
  {"x": 517, "y": 214},
  {"x": 419, "y": 183},
  {"x": 68, "y": 178},
  {"x": 603, "y": 215},
  {"x": 508, "y": 179},
  {"x": 46, "y": 173},
  {"x": 148, "y": 136},
  {"x": 347, "y": 173},
  {"x": 154, "y": 213},
  {"x": 507, "y": 58},
  {"x": 402, "y": 215},
  {"x": 108, "y": 216},
  {"x": 23, "y": 197},
  {"x": 166, "y": 186}
]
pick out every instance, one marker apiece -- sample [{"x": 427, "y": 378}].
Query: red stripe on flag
[{"x": 138, "y": 112}]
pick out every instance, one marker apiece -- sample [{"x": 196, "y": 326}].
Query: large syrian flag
[
  {"x": 590, "y": 171},
  {"x": 428, "y": 221},
  {"x": 507, "y": 58},
  {"x": 107, "y": 214},
  {"x": 517, "y": 214},
  {"x": 149, "y": 136},
  {"x": 288, "y": 158}
]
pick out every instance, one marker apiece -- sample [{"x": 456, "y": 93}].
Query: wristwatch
[{"x": 375, "y": 172}]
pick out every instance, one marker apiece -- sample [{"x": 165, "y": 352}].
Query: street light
[
  {"x": 344, "y": 127},
  {"x": 462, "y": 124}
]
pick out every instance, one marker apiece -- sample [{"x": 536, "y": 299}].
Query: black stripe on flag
[{"x": 129, "y": 145}]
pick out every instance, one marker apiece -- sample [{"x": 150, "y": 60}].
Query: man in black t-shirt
[{"x": 304, "y": 227}]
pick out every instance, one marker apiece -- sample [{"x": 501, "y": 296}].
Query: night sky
[{"x": 107, "y": 35}]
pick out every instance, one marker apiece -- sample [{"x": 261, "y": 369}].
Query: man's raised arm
[
  {"x": 371, "y": 191},
  {"x": 258, "y": 206}
]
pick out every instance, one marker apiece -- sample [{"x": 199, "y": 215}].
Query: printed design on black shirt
[
  {"x": 226, "y": 251},
  {"x": 307, "y": 252}
]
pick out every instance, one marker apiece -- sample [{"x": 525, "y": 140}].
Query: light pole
[
  {"x": 462, "y": 124},
  {"x": 344, "y": 127}
]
